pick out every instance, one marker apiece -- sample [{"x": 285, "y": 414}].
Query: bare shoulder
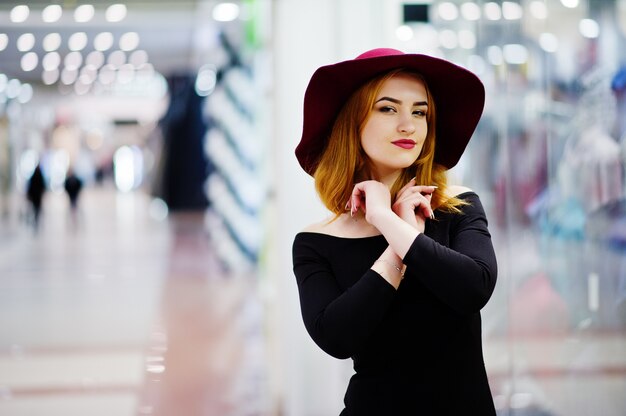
[
  {"x": 343, "y": 226},
  {"x": 318, "y": 227},
  {"x": 455, "y": 190}
]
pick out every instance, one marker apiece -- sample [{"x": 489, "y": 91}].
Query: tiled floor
[{"x": 123, "y": 314}]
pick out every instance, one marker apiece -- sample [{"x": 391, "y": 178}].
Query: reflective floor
[{"x": 116, "y": 313}]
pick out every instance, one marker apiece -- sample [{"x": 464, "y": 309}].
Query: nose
[{"x": 406, "y": 124}]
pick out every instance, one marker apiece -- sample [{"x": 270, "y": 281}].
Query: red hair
[{"x": 344, "y": 162}]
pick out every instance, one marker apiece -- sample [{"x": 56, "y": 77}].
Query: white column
[{"x": 308, "y": 34}]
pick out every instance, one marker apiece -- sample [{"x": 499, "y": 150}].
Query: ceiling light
[
  {"x": 116, "y": 59},
  {"x": 515, "y": 54},
  {"x": 589, "y": 28},
  {"x": 29, "y": 61},
  {"x": 115, "y": 13},
  {"x": 84, "y": 13},
  {"x": 73, "y": 60},
  {"x": 511, "y": 10},
  {"x": 448, "y": 11},
  {"x": 13, "y": 88},
  {"x": 467, "y": 39},
  {"x": 88, "y": 74},
  {"x": 77, "y": 41},
  {"x": 470, "y": 11},
  {"x": 51, "y": 61},
  {"x": 570, "y": 4},
  {"x": 548, "y": 42},
  {"x": 4, "y": 41},
  {"x": 138, "y": 58},
  {"x": 50, "y": 77},
  {"x": 80, "y": 88},
  {"x": 95, "y": 59},
  {"x": 51, "y": 13},
  {"x": 3, "y": 82},
  {"x": 25, "y": 42},
  {"x": 226, "y": 12},
  {"x": 19, "y": 13},
  {"x": 51, "y": 42},
  {"x": 103, "y": 41},
  {"x": 26, "y": 94},
  {"x": 492, "y": 11},
  {"x": 206, "y": 80},
  {"x": 68, "y": 76},
  {"x": 107, "y": 75},
  {"x": 129, "y": 41},
  {"x": 404, "y": 33}
]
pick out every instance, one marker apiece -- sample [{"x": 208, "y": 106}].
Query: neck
[{"x": 388, "y": 178}]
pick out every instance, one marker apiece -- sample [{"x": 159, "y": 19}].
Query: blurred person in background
[
  {"x": 35, "y": 189},
  {"x": 396, "y": 277},
  {"x": 73, "y": 185}
]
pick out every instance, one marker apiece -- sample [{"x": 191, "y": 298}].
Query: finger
[
  {"x": 418, "y": 205},
  {"x": 414, "y": 197},
  {"x": 355, "y": 198},
  {"x": 421, "y": 189},
  {"x": 408, "y": 185},
  {"x": 428, "y": 189}
]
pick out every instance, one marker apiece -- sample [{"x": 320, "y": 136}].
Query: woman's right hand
[
  {"x": 371, "y": 197},
  {"x": 412, "y": 204}
]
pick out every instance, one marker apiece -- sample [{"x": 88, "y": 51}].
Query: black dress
[{"x": 417, "y": 350}]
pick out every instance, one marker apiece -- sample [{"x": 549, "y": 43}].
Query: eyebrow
[{"x": 393, "y": 100}]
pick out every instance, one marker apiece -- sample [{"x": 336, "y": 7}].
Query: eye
[
  {"x": 387, "y": 109},
  {"x": 419, "y": 113}
]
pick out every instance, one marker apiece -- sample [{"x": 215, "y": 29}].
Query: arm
[
  {"x": 338, "y": 321},
  {"x": 464, "y": 275}
]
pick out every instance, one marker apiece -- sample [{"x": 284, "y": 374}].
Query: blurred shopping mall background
[{"x": 168, "y": 289}]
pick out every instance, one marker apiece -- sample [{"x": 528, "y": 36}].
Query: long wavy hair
[{"x": 344, "y": 162}]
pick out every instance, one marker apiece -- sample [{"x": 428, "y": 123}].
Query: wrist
[
  {"x": 398, "y": 267},
  {"x": 392, "y": 272},
  {"x": 380, "y": 216}
]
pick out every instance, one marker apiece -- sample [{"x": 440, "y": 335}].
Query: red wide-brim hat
[{"x": 458, "y": 94}]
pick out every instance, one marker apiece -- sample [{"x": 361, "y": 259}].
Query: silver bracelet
[{"x": 392, "y": 265}]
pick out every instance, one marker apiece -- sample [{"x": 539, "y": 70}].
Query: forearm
[
  {"x": 389, "y": 266},
  {"x": 340, "y": 326},
  {"x": 398, "y": 233},
  {"x": 463, "y": 281}
]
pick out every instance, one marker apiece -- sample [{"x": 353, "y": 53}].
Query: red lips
[{"x": 405, "y": 143}]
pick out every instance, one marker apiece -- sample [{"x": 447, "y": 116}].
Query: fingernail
[
  {"x": 347, "y": 205},
  {"x": 432, "y": 215}
]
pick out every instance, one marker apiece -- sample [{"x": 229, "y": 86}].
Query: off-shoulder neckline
[{"x": 364, "y": 237}]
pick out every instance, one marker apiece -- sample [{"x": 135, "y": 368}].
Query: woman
[{"x": 396, "y": 277}]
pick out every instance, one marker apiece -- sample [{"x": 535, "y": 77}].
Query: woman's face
[{"x": 395, "y": 130}]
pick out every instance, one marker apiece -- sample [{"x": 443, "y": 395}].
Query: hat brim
[{"x": 458, "y": 94}]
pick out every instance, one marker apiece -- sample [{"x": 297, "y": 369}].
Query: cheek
[{"x": 369, "y": 137}]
